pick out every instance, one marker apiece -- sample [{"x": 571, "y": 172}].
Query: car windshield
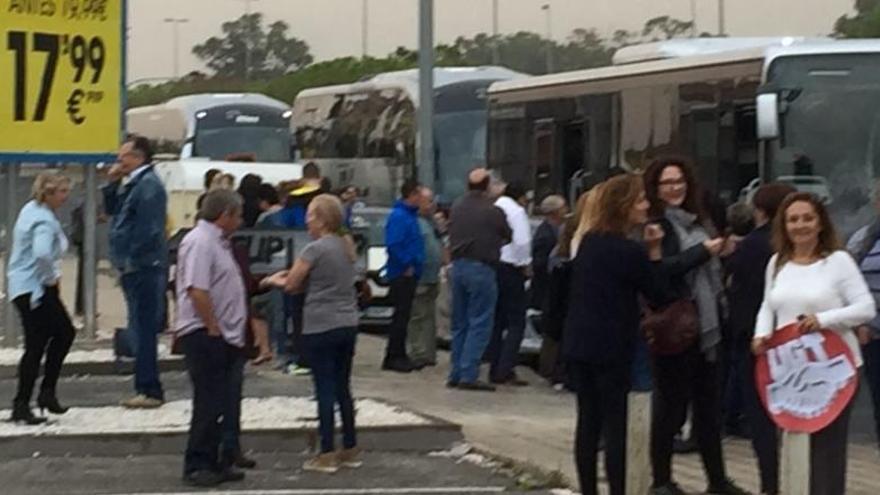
[
  {"x": 460, "y": 139},
  {"x": 830, "y": 142},
  {"x": 268, "y": 144}
]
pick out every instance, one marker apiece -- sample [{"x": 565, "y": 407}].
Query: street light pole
[
  {"x": 426, "y": 93},
  {"x": 721, "y": 19},
  {"x": 549, "y": 12},
  {"x": 693, "y": 18},
  {"x": 365, "y": 26},
  {"x": 496, "y": 53},
  {"x": 175, "y": 24}
]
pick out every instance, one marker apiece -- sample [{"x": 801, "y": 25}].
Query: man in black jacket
[
  {"x": 554, "y": 210},
  {"x": 746, "y": 269}
]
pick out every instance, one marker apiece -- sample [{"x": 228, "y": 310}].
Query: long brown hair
[
  {"x": 614, "y": 203},
  {"x": 571, "y": 225},
  {"x": 828, "y": 240},
  {"x": 693, "y": 201}
]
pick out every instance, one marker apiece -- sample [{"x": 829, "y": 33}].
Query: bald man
[{"x": 477, "y": 231}]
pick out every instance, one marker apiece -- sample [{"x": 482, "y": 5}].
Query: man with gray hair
[
  {"x": 211, "y": 325},
  {"x": 555, "y": 210}
]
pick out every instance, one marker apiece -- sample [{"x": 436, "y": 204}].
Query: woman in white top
[{"x": 813, "y": 282}]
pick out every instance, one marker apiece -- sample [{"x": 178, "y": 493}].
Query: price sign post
[{"x": 61, "y": 96}]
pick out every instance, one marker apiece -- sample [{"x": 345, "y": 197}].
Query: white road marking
[{"x": 346, "y": 491}]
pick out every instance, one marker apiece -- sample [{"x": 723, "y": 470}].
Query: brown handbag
[{"x": 672, "y": 329}]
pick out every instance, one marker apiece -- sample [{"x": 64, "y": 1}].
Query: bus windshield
[
  {"x": 460, "y": 144},
  {"x": 830, "y": 142},
  {"x": 266, "y": 144},
  {"x": 262, "y": 132}
]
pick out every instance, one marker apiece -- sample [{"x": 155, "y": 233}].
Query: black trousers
[
  {"x": 682, "y": 380},
  {"x": 765, "y": 436},
  {"x": 79, "y": 303},
  {"x": 602, "y": 410},
  {"x": 403, "y": 292},
  {"x": 214, "y": 370},
  {"x": 47, "y": 330},
  {"x": 828, "y": 456},
  {"x": 510, "y": 322}
]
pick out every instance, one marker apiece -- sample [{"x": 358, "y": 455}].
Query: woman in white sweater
[{"x": 813, "y": 282}]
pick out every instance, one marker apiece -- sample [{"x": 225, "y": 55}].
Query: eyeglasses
[{"x": 673, "y": 182}]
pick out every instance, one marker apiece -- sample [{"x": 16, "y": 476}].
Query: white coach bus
[
  {"x": 802, "y": 111},
  {"x": 196, "y": 133},
  {"x": 365, "y": 133}
]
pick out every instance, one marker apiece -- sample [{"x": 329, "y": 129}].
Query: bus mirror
[{"x": 768, "y": 116}]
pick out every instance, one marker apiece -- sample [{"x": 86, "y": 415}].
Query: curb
[
  {"x": 422, "y": 438},
  {"x": 100, "y": 368}
]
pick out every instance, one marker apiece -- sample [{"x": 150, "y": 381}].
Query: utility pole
[
  {"x": 721, "y": 20},
  {"x": 175, "y": 24},
  {"x": 365, "y": 26},
  {"x": 247, "y": 42},
  {"x": 496, "y": 53},
  {"x": 426, "y": 93},
  {"x": 549, "y": 12},
  {"x": 694, "y": 18}
]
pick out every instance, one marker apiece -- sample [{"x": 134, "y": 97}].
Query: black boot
[
  {"x": 48, "y": 400},
  {"x": 21, "y": 412}
]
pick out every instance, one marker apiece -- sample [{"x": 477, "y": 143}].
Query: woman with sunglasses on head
[
  {"x": 601, "y": 332},
  {"x": 691, "y": 376},
  {"x": 811, "y": 281}
]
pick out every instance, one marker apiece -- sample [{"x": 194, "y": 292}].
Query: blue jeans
[
  {"x": 474, "y": 295},
  {"x": 144, "y": 295},
  {"x": 277, "y": 319},
  {"x": 330, "y": 355}
]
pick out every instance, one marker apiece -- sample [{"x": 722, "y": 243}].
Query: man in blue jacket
[
  {"x": 139, "y": 252},
  {"x": 406, "y": 258}
]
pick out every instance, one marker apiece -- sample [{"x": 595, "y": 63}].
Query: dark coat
[
  {"x": 746, "y": 269},
  {"x": 607, "y": 277},
  {"x": 546, "y": 237},
  {"x": 677, "y": 263}
]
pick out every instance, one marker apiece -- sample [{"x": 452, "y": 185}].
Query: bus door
[
  {"x": 544, "y": 157},
  {"x": 576, "y": 173}
]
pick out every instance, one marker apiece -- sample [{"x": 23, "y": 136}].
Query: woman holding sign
[{"x": 812, "y": 283}]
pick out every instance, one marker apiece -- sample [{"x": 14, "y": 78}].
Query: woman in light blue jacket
[{"x": 38, "y": 243}]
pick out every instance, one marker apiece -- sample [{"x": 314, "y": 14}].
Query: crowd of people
[{"x": 641, "y": 285}]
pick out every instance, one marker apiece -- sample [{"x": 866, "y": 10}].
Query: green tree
[
  {"x": 666, "y": 28},
  {"x": 864, "y": 24},
  {"x": 246, "y": 47}
]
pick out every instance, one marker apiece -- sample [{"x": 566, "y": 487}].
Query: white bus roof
[
  {"x": 690, "y": 47},
  {"x": 690, "y": 59},
  {"x": 190, "y": 104},
  {"x": 408, "y": 80}
]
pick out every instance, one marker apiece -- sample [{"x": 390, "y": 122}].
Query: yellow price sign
[{"x": 61, "y": 79}]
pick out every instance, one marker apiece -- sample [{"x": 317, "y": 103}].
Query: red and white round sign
[{"x": 806, "y": 380}]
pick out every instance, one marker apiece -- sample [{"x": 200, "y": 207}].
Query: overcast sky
[{"x": 332, "y": 27}]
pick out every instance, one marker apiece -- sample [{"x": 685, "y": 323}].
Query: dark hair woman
[
  {"x": 745, "y": 272},
  {"x": 602, "y": 328},
  {"x": 812, "y": 281},
  {"x": 249, "y": 189},
  {"x": 692, "y": 377}
]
